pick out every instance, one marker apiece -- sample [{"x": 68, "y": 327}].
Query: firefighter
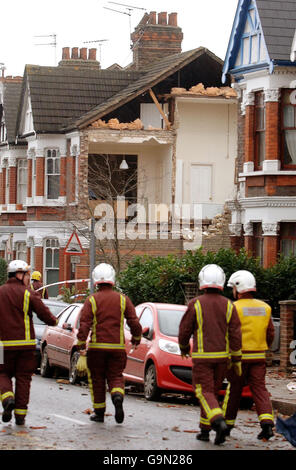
[
  {"x": 257, "y": 336},
  {"x": 103, "y": 314},
  {"x": 213, "y": 321},
  {"x": 37, "y": 284},
  {"x": 17, "y": 336}
]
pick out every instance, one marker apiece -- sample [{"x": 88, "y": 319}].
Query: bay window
[
  {"x": 52, "y": 171},
  {"x": 289, "y": 128},
  {"x": 259, "y": 129}
]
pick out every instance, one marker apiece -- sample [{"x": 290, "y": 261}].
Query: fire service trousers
[
  {"x": 253, "y": 374},
  {"x": 20, "y": 364},
  {"x": 105, "y": 366},
  {"x": 207, "y": 380}
]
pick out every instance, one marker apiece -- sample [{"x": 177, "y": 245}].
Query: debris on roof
[
  {"x": 199, "y": 89},
  {"x": 115, "y": 124}
]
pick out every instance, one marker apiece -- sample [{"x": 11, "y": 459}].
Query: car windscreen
[
  {"x": 55, "y": 310},
  {"x": 169, "y": 321}
]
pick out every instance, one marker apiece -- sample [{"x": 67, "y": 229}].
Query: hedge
[
  {"x": 160, "y": 279},
  {"x": 3, "y": 271}
]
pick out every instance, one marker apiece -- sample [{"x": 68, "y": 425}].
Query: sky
[{"x": 76, "y": 23}]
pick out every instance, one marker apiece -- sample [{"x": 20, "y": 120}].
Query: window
[
  {"x": 52, "y": 265},
  {"x": 3, "y": 135},
  {"x": 288, "y": 238},
  {"x": 146, "y": 319},
  {"x": 64, "y": 316},
  {"x": 52, "y": 174},
  {"x": 22, "y": 181},
  {"x": 259, "y": 129},
  {"x": 289, "y": 128},
  {"x": 21, "y": 251}
]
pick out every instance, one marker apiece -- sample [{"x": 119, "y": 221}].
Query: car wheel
[
  {"x": 151, "y": 390},
  {"x": 45, "y": 369},
  {"x": 73, "y": 377}
]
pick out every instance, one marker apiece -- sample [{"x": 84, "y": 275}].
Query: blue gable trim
[{"x": 236, "y": 40}]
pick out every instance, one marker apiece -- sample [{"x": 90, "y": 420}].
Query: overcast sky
[{"x": 204, "y": 23}]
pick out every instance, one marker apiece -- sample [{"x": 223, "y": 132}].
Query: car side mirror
[{"x": 67, "y": 326}]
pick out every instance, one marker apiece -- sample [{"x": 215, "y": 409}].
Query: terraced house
[
  {"x": 160, "y": 131},
  {"x": 261, "y": 58}
]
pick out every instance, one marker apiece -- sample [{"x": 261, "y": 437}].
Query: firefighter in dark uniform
[
  {"x": 103, "y": 314},
  {"x": 37, "y": 284},
  {"x": 17, "y": 337},
  {"x": 213, "y": 321},
  {"x": 257, "y": 337}
]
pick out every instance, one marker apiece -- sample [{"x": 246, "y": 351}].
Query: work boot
[
  {"x": 19, "y": 420},
  {"x": 266, "y": 432},
  {"x": 8, "y": 406},
  {"x": 228, "y": 430},
  {"x": 98, "y": 416},
  {"x": 117, "y": 399},
  {"x": 220, "y": 427},
  {"x": 204, "y": 435}
]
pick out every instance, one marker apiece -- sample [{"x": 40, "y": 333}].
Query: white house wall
[{"x": 206, "y": 135}]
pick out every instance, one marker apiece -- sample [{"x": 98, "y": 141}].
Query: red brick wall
[
  {"x": 12, "y": 174},
  {"x": 40, "y": 167},
  {"x": 272, "y": 145},
  {"x": 63, "y": 177},
  {"x": 38, "y": 258},
  {"x": 270, "y": 250},
  {"x": 2, "y": 188},
  {"x": 29, "y": 185}
]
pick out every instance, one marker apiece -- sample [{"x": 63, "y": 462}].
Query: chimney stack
[
  {"x": 80, "y": 57},
  {"x": 154, "y": 41}
]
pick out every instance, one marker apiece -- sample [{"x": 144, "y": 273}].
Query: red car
[{"x": 156, "y": 363}]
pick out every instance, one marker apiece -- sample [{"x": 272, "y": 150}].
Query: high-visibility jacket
[
  {"x": 103, "y": 314},
  {"x": 213, "y": 321},
  {"x": 16, "y": 306},
  {"x": 257, "y": 327},
  {"x": 35, "y": 285}
]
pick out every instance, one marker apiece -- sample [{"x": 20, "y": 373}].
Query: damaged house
[{"x": 163, "y": 129}]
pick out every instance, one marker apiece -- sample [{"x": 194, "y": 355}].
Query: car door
[
  {"x": 67, "y": 337},
  {"x": 137, "y": 356},
  {"x": 52, "y": 336}
]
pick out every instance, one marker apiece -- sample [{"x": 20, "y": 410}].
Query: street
[{"x": 58, "y": 419}]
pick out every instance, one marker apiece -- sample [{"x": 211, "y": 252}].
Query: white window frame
[
  {"x": 22, "y": 164},
  {"x": 21, "y": 251},
  {"x": 53, "y": 245},
  {"x": 54, "y": 154}
]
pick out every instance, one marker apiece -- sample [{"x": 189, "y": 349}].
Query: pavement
[{"x": 278, "y": 384}]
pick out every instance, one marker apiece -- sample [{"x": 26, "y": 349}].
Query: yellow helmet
[{"x": 36, "y": 275}]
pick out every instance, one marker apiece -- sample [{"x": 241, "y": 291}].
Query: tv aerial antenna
[
  {"x": 53, "y": 43},
  {"x": 129, "y": 11},
  {"x": 100, "y": 42}
]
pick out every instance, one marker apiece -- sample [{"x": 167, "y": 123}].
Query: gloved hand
[
  {"x": 81, "y": 366},
  {"x": 135, "y": 341},
  {"x": 237, "y": 367},
  {"x": 185, "y": 351}
]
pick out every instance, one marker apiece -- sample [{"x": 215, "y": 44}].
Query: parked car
[
  {"x": 58, "y": 344},
  {"x": 157, "y": 364},
  {"x": 55, "y": 306}
]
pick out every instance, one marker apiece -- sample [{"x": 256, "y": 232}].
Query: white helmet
[
  {"x": 213, "y": 276},
  {"x": 104, "y": 274},
  {"x": 243, "y": 281},
  {"x": 18, "y": 265}
]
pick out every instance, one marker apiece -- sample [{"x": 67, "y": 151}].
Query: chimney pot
[
  {"x": 162, "y": 18},
  {"x": 92, "y": 54},
  {"x": 152, "y": 17},
  {"x": 83, "y": 53},
  {"x": 66, "y": 53},
  {"x": 74, "y": 53},
  {"x": 173, "y": 21}
]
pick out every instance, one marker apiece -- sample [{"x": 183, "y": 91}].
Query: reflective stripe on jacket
[
  {"x": 103, "y": 314},
  {"x": 213, "y": 321},
  {"x": 16, "y": 306},
  {"x": 257, "y": 328}
]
